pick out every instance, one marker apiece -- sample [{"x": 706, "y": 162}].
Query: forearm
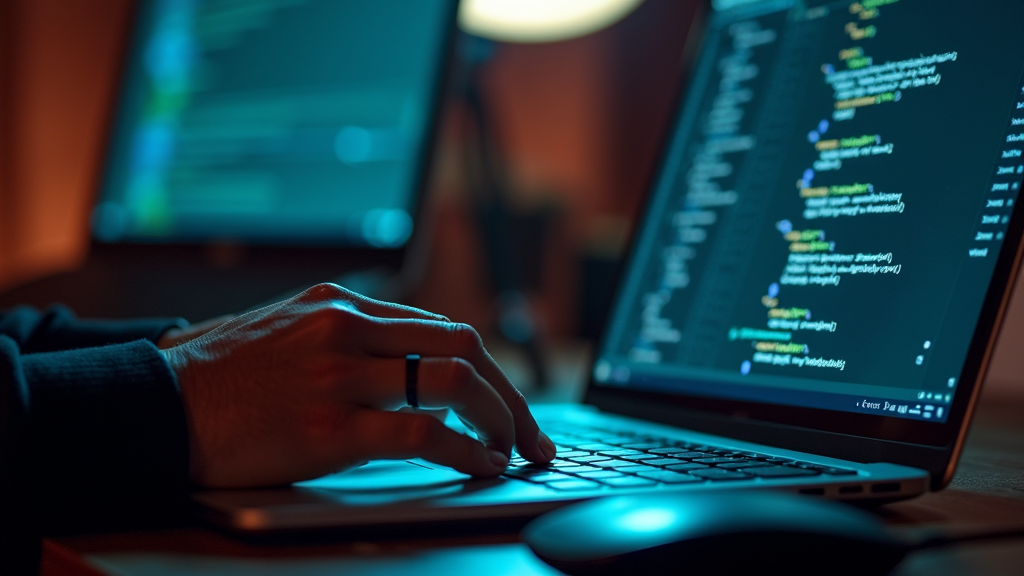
[
  {"x": 92, "y": 438},
  {"x": 111, "y": 421},
  {"x": 58, "y": 329},
  {"x": 19, "y": 544}
]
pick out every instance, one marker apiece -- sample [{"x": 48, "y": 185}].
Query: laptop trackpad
[{"x": 389, "y": 475}]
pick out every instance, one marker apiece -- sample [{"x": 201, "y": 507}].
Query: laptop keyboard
[{"x": 590, "y": 458}]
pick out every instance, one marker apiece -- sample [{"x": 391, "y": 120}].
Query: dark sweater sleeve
[
  {"x": 58, "y": 329},
  {"x": 90, "y": 438}
]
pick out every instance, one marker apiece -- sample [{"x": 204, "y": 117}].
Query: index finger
[{"x": 399, "y": 337}]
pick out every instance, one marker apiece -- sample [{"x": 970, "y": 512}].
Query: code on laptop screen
[
  {"x": 827, "y": 220},
  {"x": 274, "y": 121}
]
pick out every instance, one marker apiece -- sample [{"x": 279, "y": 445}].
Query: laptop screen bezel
[
  {"x": 756, "y": 420},
  {"x": 346, "y": 254}
]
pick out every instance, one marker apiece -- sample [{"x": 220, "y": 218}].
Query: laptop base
[{"x": 395, "y": 493}]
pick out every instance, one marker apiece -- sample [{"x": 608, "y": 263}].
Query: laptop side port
[
  {"x": 857, "y": 489},
  {"x": 813, "y": 491},
  {"x": 885, "y": 487}
]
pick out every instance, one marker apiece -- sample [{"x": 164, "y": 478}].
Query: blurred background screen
[{"x": 274, "y": 122}]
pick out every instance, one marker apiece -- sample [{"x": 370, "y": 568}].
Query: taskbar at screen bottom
[{"x": 933, "y": 407}]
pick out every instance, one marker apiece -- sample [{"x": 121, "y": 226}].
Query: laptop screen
[
  {"x": 827, "y": 219},
  {"x": 274, "y": 121}
]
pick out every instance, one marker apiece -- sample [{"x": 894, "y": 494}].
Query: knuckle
[
  {"x": 519, "y": 405},
  {"x": 336, "y": 318},
  {"x": 467, "y": 340},
  {"x": 324, "y": 291},
  {"x": 340, "y": 318},
  {"x": 460, "y": 376},
  {"x": 519, "y": 412}
]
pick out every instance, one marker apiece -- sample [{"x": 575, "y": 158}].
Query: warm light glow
[{"x": 540, "y": 20}]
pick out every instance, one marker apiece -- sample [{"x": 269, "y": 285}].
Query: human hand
[
  {"x": 177, "y": 336},
  {"x": 309, "y": 386}
]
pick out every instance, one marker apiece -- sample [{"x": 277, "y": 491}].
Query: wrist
[
  {"x": 177, "y": 361},
  {"x": 170, "y": 337}
]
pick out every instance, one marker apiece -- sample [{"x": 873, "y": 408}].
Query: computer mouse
[{"x": 717, "y": 533}]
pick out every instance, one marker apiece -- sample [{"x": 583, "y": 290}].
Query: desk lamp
[
  {"x": 487, "y": 23},
  {"x": 540, "y": 20}
]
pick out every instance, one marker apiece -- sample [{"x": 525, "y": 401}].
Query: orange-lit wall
[
  {"x": 580, "y": 122},
  {"x": 58, "y": 71}
]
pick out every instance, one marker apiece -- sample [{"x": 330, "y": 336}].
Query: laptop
[
  {"x": 813, "y": 292},
  {"x": 255, "y": 147}
]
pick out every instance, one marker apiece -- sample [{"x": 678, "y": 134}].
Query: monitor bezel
[
  {"x": 933, "y": 446},
  {"x": 331, "y": 253}
]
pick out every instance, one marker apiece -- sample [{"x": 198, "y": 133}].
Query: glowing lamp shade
[{"x": 540, "y": 20}]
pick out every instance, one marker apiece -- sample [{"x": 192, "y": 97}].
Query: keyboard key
[
  {"x": 780, "y": 472},
  {"x": 628, "y": 482},
  {"x": 616, "y": 440},
  {"x": 595, "y": 447},
  {"x": 538, "y": 476},
  {"x": 523, "y": 471},
  {"x": 601, "y": 474},
  {"x": 719, "y": 474},
  {"x": 669, "y": 477},
  {"x": 580, "y": 469},
  {"x": 691, "y": 455},
  {"x": 562, "y": 464},
  {"x": 573, "y": 454},
  {"x": 636, "y": 468},
  {"x": 672, "y": 450},
  {"x": 824, "y": 469},
  {"x": 590, "y": 458},
  {"x": 644, "y": 445},
  {"x": 837, "y": 471},
  {"x": 685, "y": 466},
  {"x": 777, "y": 460},
  {"x": 715, "y": 460},
  {"x": 575, "y": 484},
  {"x": 635, "y": 457},
  {"x": 661, "y": 462},
  {"x": 686, "y": 445},
  {"x": 615, "y": 463},
  {"x": 743, "y": 464},
  {"x": 619, "y": 453}
]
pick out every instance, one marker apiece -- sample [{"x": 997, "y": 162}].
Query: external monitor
[{"x": 274, "y": 122}]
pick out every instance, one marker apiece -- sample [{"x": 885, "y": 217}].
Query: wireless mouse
[{"x": 714, "y": 533}]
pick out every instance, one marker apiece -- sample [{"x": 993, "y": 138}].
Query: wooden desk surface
[{"x": 988, "y": 492}]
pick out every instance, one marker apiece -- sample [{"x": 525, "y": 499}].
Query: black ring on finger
[{"x": 412, "y": 372}]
